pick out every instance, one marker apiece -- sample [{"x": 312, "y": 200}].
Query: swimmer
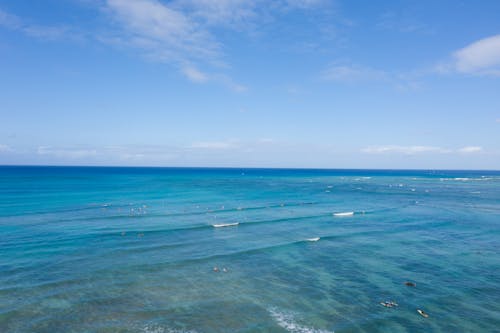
[
  {"x": 410, "y": 284},
  {"x": 216, "y": 269},
  {"x": 387, "y": 304},
  {"x": 224, "y": 270}
]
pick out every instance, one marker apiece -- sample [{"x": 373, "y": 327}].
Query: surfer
[{"x": 216, "y": 269}]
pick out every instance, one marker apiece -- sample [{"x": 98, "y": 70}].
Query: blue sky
[{"x": 285, "y": 83}]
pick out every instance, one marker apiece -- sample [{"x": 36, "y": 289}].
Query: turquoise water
[{"x": 134, "y": 250}]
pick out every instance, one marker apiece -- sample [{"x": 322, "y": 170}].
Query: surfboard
[{"x": 422, "y": 313}]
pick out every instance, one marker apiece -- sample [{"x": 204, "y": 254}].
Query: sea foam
[{"x": 287, "y": 321}]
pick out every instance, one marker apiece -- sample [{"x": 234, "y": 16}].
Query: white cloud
[
  {"x": 470, "y": 149},
  {"x": 409, "y": 150},
  {"x": 480, "y": 57}
]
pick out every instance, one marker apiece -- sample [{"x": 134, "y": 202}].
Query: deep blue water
[{"x": 134, "y": 250}]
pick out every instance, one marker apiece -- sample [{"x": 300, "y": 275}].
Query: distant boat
[
  {"x": 225, "y": 225},
  {"x": 315, "y": 239},
  {"x": 344, "y": 214}
]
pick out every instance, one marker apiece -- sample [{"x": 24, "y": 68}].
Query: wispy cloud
[
  {"x": 67, "y": 153},
  {"x": 470, "y": 149},
  {"x": 229, "y": 13},
  {"x": 42, "y": 32},
  {"x": 166, "y": 33},
  {"x": 140, "y": 153},
  {"x": 193, "y": 74},
  {"x": 412, "y": 150},
  {"x": 179, "y": 34},
  {"x": 184, "y": 33},
  {"x": 359, "y": 74},
  {"x": 5, "y": 149},
  {"x": 409, "y": 150},
  {"x": 481, "y": 57},
  {"x": 214, "y": 145}
]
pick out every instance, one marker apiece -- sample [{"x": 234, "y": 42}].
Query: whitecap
[
  {"x": 344, "y": 214},
  {"x": 288, "y": 322},
  {"x": 225, "y": 225}
]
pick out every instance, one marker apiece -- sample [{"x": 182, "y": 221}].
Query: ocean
[{"x": 91, "y": 249}]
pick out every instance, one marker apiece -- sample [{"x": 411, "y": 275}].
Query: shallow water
[{"x": 133, "y": 250}]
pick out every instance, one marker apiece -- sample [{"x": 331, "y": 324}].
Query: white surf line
[
  {"x": 344, "y": 214},
  {"x": 225, "y": 225},
  {"x": 315, "y": 239}
]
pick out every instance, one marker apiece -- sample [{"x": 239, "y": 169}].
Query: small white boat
[
  {"x": 344, "y": 214},
  {"x": 225, "y": 225},
  {"x": 315, "y": 239}
]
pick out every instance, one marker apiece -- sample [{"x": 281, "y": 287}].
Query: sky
[{"x": 235, "y": 83}]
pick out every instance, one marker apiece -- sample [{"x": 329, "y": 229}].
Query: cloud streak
[
  {"x": 408, "y": 150},
  {"x": 412, "y": 150},
  {"x": 470, "y": 149},
  {"x": 13, "y": 22},
  {"x": 69, "y": 153}
]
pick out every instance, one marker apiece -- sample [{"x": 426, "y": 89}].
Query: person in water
[{"x": 389, "y": 304}]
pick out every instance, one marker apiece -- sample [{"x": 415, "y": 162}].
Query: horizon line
[{"x": 235, "y": 167}]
